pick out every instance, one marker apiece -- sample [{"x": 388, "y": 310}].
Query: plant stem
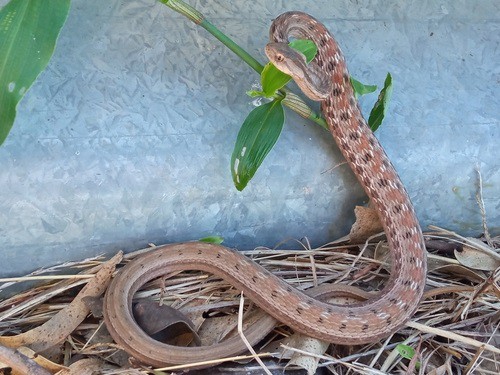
[{"x": 292, "y": 101}]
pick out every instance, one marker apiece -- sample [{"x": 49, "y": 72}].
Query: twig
[{"x": 240, "y": 331}]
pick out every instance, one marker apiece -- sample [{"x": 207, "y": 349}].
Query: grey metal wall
[{"x": 126, "y": 138}]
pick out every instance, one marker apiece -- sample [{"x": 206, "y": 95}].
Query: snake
[{"x": 354, "y": 324}]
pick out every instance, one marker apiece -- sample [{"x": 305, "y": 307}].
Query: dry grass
[{"x": 456, "y": 328}]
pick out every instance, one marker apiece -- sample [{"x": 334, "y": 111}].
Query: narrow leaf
[
  {"x": 273, "y": 79},
  {"x": 212, "y": 239},
  {"x": 360, "y": 88},
  {"x": 257, "y": 136},
  {"x": 379, "y": 109},
  {"x": 28, "y": 34}
]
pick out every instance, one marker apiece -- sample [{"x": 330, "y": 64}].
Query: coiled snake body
[{"x": 353, "y": 324}]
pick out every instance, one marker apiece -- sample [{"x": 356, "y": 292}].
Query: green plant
[
  {"x": 28, "y": 33},
  {"x": 262, "y": 127}
]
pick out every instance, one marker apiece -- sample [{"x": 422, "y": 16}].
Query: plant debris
[{"x": 455, "y": 330}]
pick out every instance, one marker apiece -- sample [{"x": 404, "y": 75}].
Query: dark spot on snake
[
  {"x": 346, "y": 78},
  {"x": 289, "y": 289},
  {"x": 320, "y": 320},
  {"x": 350, "y": 313},
  {"x": 254, "y": 279},
  {"x": 393, "y": 300},
  {"x": 274, "y": 293},
  {"x": 236, "y": 267},
  {"x": 389, "y": 321},
  {"x": 397, "y": 209},
  {"x": 322, "y": 42},
  {"x": 359, "y": 170},
  {"x": 218, "y": 256},
  {"x": 407, "y": 282},
  {"x": 281, "y": 36},
  {"x": 365, "y": 327},
  {"x": 331, "y": 66},
  {"x": 299, "y": 310},
  {"x": 413, "y": 260},
  {"x": 342, "y": 327},
  {"x": 352, "y": 158},
  {"x": 345, "y": 116},
  {"x": 373, "y": 311},
  {"x": 336, "y": 92},
  {"x": 320, "y": 63},
  {"x": 200, "y": 252},
  {"x": 329, "y": 310},
  {"x": 407, "y": 235},
  {"x": 383, "y": 182},
  {"x": 367, "y": 157}
]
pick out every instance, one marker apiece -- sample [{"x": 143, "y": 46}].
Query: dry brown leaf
[
  {"x": 367, "y": 224},
  {"x": 55, "y": 330},
  {"x": 165, "y": 323},
  {"x": 459, "y": 270},
  {"x": 309, "y": 345},
  {"x": 476, "y": 259},
  {"x": 87, "y": 366}
]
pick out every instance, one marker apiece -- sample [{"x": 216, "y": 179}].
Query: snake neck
[{"x": 364, "y": 154}]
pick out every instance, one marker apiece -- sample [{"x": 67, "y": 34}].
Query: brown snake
[{"x": 354, "y": 324}]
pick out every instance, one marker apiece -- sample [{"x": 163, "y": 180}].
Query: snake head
[{"x": 312, "y": 80}]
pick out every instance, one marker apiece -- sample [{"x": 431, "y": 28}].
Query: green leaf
[
  {"x": 306, "y": 46},
  {"x": 257, "y": 136},
  {"x": 379, "y": 109},
  {"x": 28, "y": 34},
  {"x": 407, "y": 352},
  {"x": 212, "y": 239},
  {"x": 273, "y": 79},
  {"x": 361, "y": 89}
]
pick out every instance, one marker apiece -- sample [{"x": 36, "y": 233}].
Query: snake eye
[{"x": 280, "y": 58}]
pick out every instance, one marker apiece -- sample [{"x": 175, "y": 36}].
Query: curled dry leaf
[
  {"x": 367, "y": 224},
  {"x": 165, "y": 323},
  {"x": 309, "y": 345},
  {"x": 60, "y": 326}
]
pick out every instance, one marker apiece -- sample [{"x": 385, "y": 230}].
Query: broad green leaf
[
  {"x": 212, "y": 239},
  {"x": 361, "y": 89},
  {"x": 28, "y": 34},
  {"x": 379, "y": 109},
  {"x": 257, "y": 136},
  {"x": 273, "y": 79}
]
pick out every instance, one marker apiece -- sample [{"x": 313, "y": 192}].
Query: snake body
[{"x": 353, "y": 324}]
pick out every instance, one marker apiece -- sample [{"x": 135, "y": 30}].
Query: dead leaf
[
  {"x": 476, "y": 259},
  {"x": 87, "y": 366},
  {"x": 55, "y": 330},
  {"x": 459, "y": 270},
  {"x": 367, "y": 224},
  {"x": 309, "y": 345},
  {"x": 165, "y": 324}
]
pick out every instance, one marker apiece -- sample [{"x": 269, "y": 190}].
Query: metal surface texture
[{"x": 126, "y": 138}]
